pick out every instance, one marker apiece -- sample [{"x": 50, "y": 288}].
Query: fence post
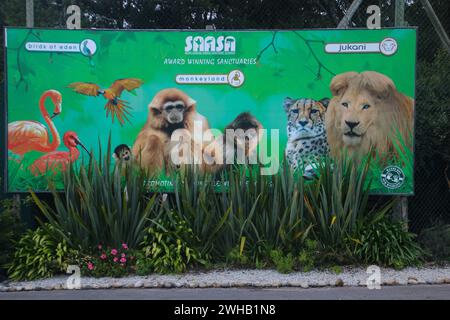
[
  {"x": 436, "y": 24},
  {"x": 399, "y": 13},
  {"x": 349, "y": 14},
  {"x": 400, "y": 210},
  {"x": 30, "y": 13}
]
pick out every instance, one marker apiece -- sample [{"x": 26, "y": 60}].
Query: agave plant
[
  {"x": 249, "y": 211},
  {"x": 101, "y": 203},
  {"x": 269, "y": 210},
  {"x": 337, "y": 200},
  {"x": 196, "y": 201}
]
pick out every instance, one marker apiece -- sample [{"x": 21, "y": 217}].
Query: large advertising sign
[{"x": 168, "y": 98}]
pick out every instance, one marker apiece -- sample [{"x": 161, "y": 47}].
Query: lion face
[
  {"x": 366, "y": 112},
  {"x": 356, "y": 111}
]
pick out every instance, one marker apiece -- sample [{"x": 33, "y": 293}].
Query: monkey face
[
  {"x": 125, "y": 155},
  {"x": 122, "y": 153},
  {"x": 173, "y": 111}
]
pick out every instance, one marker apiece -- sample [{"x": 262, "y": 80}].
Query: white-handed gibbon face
[{"x": 173, "y": 111}]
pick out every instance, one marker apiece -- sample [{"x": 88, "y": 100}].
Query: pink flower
[
  {"x": 116, "y": 259},
  {"x": 123, "y": 255},
  {"x": 113, "y": 252},
  {"x": 99, "y": 247},
  {"x": 124, "y": 246},
  {"x": 103, "y": 256},
  {"x": 123, "y": 260},
  {"x": 90, "y": 266}
]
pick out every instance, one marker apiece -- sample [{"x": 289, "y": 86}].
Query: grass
[{"x": 20, "y": 177}]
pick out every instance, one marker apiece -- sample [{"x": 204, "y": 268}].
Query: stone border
[{"x": 350, "y": 276}]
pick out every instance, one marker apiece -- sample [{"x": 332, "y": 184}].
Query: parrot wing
[
  {"x": 125, "y": 84},
  {"x": 87, "y": 88}
]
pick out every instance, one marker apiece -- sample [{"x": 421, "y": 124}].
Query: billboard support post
[{"x": 29, "y": 12}]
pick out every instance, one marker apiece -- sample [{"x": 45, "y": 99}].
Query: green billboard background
[{"x": 276, "y": 64}]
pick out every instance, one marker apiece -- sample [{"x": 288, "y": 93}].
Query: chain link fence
[{"x": 431, "y": 203}]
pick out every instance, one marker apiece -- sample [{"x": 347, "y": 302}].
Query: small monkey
[
  {"x": 122, "y": 153},
  {"x": 238, "y": 143}
]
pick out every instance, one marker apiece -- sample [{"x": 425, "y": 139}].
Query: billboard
[{"x": 168, "y": 98}]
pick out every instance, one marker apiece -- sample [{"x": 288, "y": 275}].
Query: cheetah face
[{"x": 305, "y": 118}]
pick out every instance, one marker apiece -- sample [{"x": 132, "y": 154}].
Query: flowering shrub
[{"x": 109, "y": 262}]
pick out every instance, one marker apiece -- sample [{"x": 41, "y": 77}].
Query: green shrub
[
  {"x": 336, "y": 269},
  {"x": 236, "y": 258},
  {"x": 283, "y": 263},
  {"x": 436, "y": 242},
  {"x": 387, "y": 243},
  {"x": 308, "y": 255},
  {"x": 167, "y": 247},
  {"x": 11, "y": 229},
  {"x": 40, "y": 253}
]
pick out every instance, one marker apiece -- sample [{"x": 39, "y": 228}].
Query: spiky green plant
[
  {"x": 337, "y": 202},
  {"x": 100, "y": 203},
  {"x": 195, "y": 201},
  {"x": 266, "y": 211}
]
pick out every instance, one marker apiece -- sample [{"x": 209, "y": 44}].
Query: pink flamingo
[
  {"x": 59, "y": 159},
  {"x": 25, "y": 136}
]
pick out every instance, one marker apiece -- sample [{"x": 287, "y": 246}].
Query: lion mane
[{"x": 367, "y": 114}]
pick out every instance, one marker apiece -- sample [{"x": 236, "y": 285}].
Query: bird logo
[{"x": 117, "y": 107}]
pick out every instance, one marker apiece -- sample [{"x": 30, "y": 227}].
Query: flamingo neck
[
  {"x": 44, "y": 111},
  {"x": 56, "y": 141}
]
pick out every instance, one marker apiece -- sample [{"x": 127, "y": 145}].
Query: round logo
[
  {"x": 388, "y": 46},
  {"x": 88, "y": 47},
  {"x": 392, "y": 177},
  {"x": 236, "y": 78}
]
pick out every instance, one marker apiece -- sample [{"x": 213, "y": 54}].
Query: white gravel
[{"x": 351, "y": 276}]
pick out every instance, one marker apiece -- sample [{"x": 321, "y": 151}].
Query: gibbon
[{"x": 170, "y": 109}]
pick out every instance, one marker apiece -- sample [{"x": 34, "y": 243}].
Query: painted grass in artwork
[{"x": 403, "y": 157}]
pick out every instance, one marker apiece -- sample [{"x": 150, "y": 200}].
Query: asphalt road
[{"x": 416, "y": 292}]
